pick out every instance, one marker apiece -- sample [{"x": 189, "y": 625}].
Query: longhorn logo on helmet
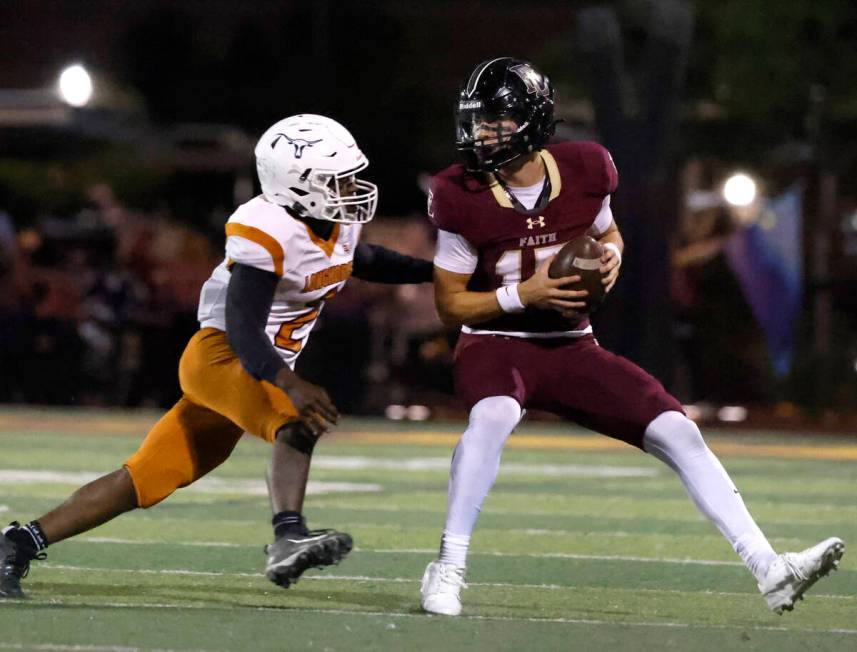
[{"x": 299, "y": 143}]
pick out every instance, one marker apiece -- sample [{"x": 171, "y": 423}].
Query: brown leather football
[{"x": 582, "y": 257}]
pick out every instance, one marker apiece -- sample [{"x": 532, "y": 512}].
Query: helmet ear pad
[{"x": 504, "y": 88}]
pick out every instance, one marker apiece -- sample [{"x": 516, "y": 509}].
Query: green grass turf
[{"x": 558, "y": 562}]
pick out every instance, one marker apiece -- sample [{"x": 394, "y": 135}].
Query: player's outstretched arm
[
  {"x": 457, "y": 305},
  {"x": 381, "y": 265},
  {"x": 248, "y": 304}
]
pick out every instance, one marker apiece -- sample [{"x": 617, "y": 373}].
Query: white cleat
[
  {"x": 792, "y": 573},
  {"x": 440, "y": 589}
]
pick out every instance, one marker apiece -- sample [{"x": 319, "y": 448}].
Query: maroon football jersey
[{"x": 512, "y": 243}]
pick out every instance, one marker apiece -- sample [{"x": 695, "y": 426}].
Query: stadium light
[
  {"x": 739, "y": 190},
  {"x": 732, "y": 413},
  {"x": 418, "y": 413},
  {"x": 396, "y": 412},
  {"x": 692, "y": 412},
  {"x": 75, "y": 86}
]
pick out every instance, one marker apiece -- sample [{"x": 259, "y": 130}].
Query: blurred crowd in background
[
  {"x": 96, "y": 305},
  {"x": 112, "y": 206},
  {"x": 96, "y": 308}
]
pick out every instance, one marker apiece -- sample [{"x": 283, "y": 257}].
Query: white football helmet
[{"x": 309, "y": 164}]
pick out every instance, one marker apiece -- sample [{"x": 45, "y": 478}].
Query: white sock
[
  {"x": 475, "y": 464},
  {"x": 675, "y": 440},
  {"x": 453, "y": 549}
]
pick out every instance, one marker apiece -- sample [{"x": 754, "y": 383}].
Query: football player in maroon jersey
[{"x": 501, "y": 217}]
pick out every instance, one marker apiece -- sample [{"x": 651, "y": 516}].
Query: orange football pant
[{"x": 220, "y": 402}]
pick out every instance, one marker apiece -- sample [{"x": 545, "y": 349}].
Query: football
[{"x": 582, "y": 257}]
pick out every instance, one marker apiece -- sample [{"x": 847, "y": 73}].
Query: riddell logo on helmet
[
  {"x": 299, "y": 143},
  {"x": 470, "y": 104}
]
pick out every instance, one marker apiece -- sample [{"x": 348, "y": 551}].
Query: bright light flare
[
  {"x": 739, "y": 190},
  {"x": 418, "y": 413},
  {"x": 75, "y": 85},
  {"x": 732, "y": 413},
  {"x": 396, "y": 412}
]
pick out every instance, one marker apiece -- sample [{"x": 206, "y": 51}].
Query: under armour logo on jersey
[
  {"x": 534, "y": 82},
  {"x": 299, "y": 144},
  {"x": 531, "y": 223}
]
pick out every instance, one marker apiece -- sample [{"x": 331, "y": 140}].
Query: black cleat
[
  {"x": 290, "y": 555},
  {"x": 14, "y": 566}
]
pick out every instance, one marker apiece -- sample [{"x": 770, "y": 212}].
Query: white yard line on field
[
  {"x": 391, "y": 580},
  {"x": 399, "y": 614},
  {"x": 4, "y": 508},
  {"x": 433, "y": 551},
  {"x": 688, "y": 517},
  {"x": 560, "y": 555},
  {"x": 255, "y": 487},
  {"x": 580, "y": 621},
  {"x": 347, "y": 463},
  {"x": 206, "y": 485},
  {"x": 193, "y": 544}
]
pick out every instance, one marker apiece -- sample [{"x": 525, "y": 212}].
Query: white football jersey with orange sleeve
[{"x": 311, "y": 270}]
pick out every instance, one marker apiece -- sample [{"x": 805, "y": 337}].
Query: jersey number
[
  {"x": 285, "y": 338},
  {"x": 516, "y": 265}
]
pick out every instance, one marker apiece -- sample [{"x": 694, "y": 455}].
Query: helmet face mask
[
  {"x": 488, "y": 141},
  {"x": 500, "y": 93},
  {"x": 349, "y": 199},
  {"x": 309, "y": 165}
]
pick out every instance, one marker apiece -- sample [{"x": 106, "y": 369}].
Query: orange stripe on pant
[{"x": 220, "y": 402}]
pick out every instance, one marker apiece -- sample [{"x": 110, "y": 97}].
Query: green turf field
[{"x": 583, "y": 545}]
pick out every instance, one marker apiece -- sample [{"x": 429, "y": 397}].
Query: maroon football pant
[{"x": 572, "y": 377}]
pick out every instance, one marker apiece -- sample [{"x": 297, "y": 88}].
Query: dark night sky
[{"x": 388, "y": 70}]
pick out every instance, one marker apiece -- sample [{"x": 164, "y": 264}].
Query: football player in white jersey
[{"x": 287, "y": 252}]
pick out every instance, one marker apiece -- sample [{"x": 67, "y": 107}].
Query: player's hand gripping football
[
  {"x": 315, "y": 409},
  {"x": 609, "y": 269},
  {"x": 542, "y": 291}
]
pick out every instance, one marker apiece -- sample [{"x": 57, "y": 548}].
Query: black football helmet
[{"x": 499, "y": 91}]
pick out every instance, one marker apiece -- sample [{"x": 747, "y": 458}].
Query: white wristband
[
  {"x": 615, "y": 248},
  {"x": 508, "y": 298}
]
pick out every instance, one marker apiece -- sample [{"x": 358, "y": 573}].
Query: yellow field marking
[
  {"x": 113, "y": 424},
  {"x": 600, "y": 443},
  {"x": 78, "y": 425},
  {"x": 449, "y": 439},
  {"x": 840, "y": 453}
]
